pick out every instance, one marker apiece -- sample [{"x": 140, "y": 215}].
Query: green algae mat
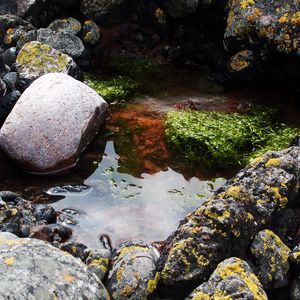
[{"x": 218, "y": 139}]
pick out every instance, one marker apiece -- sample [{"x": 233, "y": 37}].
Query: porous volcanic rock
[
  {"x": 226, "y": 223},
  {"x": 133, "y": 273},
  {"x": 32, "y": 269},
  {"x": 105, "y": 11},
  {"x": 232, "y": 279},
  {"x": 272, "y": 256},
  {"x": 53, "y": 121}
]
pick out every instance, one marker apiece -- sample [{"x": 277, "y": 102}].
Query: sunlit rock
[
  {"x": 32, "y": 269},
  {"x": 51, "y": 124}
]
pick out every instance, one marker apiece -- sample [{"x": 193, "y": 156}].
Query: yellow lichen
[
  {"x": 246, "y": 3},
  {"x": 234, "y": 192},
  {"x": 126, "y": 250},
  {"x": 152, "y": 283},
  {"x": 278, "y": 197},
  {"x": 69, "y": 278},
  {"x": 201, "y": 296},
  {"x": 273, "y": 162},
  {"x": 120, "y": 272},
  {"x": 9, "y": 261},
  {"x": 127, "y": 291}
]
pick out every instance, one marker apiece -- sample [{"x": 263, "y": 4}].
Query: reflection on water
[{"x": 126, "y": 207}]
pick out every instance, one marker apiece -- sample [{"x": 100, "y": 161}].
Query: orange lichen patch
[{"x": 69, "y": 278}]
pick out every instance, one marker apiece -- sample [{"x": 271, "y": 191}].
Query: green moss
[
  {"x": 215, "y": 139},
  {"x": 113, "y": 90}
]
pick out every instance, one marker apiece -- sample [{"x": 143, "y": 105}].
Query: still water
[{"x": 126, "y": 207}]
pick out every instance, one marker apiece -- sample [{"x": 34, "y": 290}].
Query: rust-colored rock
[{"x": 51, "y": 124}]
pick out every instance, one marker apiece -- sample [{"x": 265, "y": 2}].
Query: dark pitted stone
[
  {"x": 233, "y": 279},
  {"x": 105, "y": 11},
  {"x": 270, "y": 24},
  {"x": 2, "y": 88},
  {"x": 7, "y": 103},
  {"x": 133, "y": 273},
  {"x": 56, "y": 275},
  {"x": 11, "y": 80},
  {"x": 98, "y": 261},
  {"x": 8, "y": 7},
  {"x": 244, "y": 66},
  {"x": 8, "y": 23},
  {"x": 45, "y": 213},
  {"x": 272, "y": 257},
  {"x": 182, "y": 8},
  {"x": 51, "y": 233},
  {"x": 67, "y": 25},
  {"x": 53, "y": 121},
  {"x": 9, "y": 56},
  {"x": 91, "y": 33},
  {"x": 36, "y": 59},
  {"x": 26, "y": 38},
  {"x": 64, "y": 42},
  {"x": 17, "y": 218},
  {"x": 295, "y": 289},
  {"x": 225, "y": 224}
]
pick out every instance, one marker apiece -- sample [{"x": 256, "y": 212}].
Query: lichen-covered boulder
[
  {"x": 64, "y": 42},
  {"x": 105, "y": 11},
  {"x": 8, "y": 25},
  {"x": 67, "y": 25},
  {"x": 36, "y": 59},
  {"x": 32, "y": 269},
  {"x": 133, "y": 273},
  {"x": 225, "y": 224},
  {"x": 53, "y": 121},
  {"x": 91, "y": 33},
  {"x": 98, "y": 261},
  {"x": 274, "y": 24},
  {"x": 233, "y": 279},
  {"x": 272, "y": 257}
]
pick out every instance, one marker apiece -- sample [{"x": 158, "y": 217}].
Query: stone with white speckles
[{"x": 51, "y": 124}]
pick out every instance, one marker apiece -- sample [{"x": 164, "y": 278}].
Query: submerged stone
[
  {"x": 133, "y": 273},
  {"x": 272, "y": 256},
  {"x": 51, "y": 124},
  {"x": 56, "y": 275},
  {"x": 233, "y": 279},
  {"x": 225, "y": 224}
]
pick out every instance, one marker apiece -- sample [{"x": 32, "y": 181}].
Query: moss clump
[
  {"x": 115, "y": 89},
  {"x": 215, "y": 139}
]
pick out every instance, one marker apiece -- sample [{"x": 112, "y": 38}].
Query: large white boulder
[{"x": 51, "y": 124}]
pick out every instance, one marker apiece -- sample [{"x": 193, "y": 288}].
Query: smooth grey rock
[
  {"x": 64, "y": 42},
  {"x": 51, "y": 124},
  {"x": 36, "y": 59},
  {"x": 32, "y": 269}
]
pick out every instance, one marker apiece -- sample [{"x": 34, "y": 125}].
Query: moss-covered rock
[
  {"x": 272, "y": 257},
  {"x": 232, "y": 279},
  {"x": 225, "y": 224},
  {"x": 36, "y": 59},
  {"x": 221, "y": 139}
]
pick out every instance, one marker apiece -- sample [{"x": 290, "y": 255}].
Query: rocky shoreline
[
  {"x": 242, "y": 243},
  {"x": 234, "y": 245}
]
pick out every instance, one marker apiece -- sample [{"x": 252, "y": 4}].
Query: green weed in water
[
  {"x": 216, "y": 139},
  {"x": 113, "y": 90}
]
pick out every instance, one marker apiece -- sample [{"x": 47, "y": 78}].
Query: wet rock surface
[
  {"x": 133, "y": 273},
  {"x": 35, "y": 134},
  {"x": 232, "y": 279},
  {"x": 225, "y": 224},
  {"x": 56, "y": 274},
  {"x": 272, "y": 256}
]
